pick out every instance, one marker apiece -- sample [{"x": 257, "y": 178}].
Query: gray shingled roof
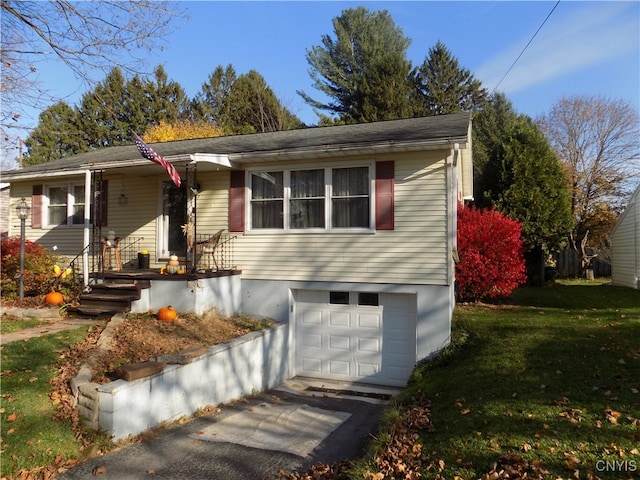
[{"x": 407, "y": 133}]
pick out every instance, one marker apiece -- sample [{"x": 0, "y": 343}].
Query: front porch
[
  {"x": 205, "y": 253},
  {"x": 148, "y": 290},
  {"x": 120, "y": 277}
]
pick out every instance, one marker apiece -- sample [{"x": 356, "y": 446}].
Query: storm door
[{"x": 174, "y": 215}]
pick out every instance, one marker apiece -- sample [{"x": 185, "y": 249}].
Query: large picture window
[
  {"x": 65, "y": 205},
  {"x": 321, "y": 198}
]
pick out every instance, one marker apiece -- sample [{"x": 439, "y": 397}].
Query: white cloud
[{"x": 581, "y": 39}]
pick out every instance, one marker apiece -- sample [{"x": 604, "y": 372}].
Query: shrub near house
[
  {"x": 38, "y": 266},
  {"x": 491, "y": 254}
]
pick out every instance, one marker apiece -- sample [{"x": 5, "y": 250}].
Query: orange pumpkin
[
  {"x": 54, "y": 298},
  {"x": 167, "y": 314}
]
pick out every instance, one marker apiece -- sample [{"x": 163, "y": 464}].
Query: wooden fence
[{"x": 568, "y": 265}]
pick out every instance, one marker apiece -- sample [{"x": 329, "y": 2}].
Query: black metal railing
[
  {"x": 117, "y": 254},
  {"x": 214, "y": 252},
  {"x": 121, "y": 254}
]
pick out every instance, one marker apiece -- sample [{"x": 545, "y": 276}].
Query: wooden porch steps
[{"x": 113, "y": 296}]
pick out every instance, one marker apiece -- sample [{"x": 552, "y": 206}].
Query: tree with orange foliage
[{"x": 181, "y": 130}]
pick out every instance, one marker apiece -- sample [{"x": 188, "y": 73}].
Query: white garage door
[{"x": 364, "y": 337}]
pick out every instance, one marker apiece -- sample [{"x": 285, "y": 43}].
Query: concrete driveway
[{"x": 191, "y": 451}]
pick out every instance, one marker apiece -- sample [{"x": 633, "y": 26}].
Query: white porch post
[{"x": 85, "y": 230}]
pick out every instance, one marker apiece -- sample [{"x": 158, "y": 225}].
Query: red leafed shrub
[
  {"x": 491, "y": 254},
  {"x": 38, "y": 265}
]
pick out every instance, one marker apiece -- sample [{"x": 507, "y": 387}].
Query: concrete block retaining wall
[{"x": 252, "y": 363}]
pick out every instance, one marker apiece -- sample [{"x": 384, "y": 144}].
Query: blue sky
[{"x": 583, "y": 48}]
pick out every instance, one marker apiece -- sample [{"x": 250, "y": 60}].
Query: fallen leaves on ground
[{"x": 135, "y": 340}]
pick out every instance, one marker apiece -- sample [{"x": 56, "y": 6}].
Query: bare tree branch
[{"x": 85, "y": 36}]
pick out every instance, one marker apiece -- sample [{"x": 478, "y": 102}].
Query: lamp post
[{"x": 23, "y": 212}]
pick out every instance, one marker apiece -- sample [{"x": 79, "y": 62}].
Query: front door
[{"x": 174, "y": 214}]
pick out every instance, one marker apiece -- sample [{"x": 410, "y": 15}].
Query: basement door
[{"x": 355, "y": 336}]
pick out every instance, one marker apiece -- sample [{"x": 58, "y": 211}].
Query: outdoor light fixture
[
  {"x": 23, "y": 209},
  {"x": 23, "y": 212},
  {"x": 122, "y": 199}
]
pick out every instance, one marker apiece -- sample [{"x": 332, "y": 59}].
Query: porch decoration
[
  {"x": 54, "y": 298},
  {"x": 143, "y": 259},
  {"x": 174, "y": 264},
  {"x": 62, "y": 274},
  {"x": 167, "y": 314}
]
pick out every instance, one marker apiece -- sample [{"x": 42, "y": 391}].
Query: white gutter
[
  {"x": 87, "y": 221},
  {"x": 39, "y": 175},
  {"x": 213, "y": 158}
]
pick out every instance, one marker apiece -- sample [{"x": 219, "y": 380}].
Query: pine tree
[
  {"x": 256, "y": 107},
  {"x": 211, "y": 103},
  {"x": 241, "y": 104},
  {"x": 443, "y": 86},
  {"x": 104, "y": 118},
  {"x": 363, "y": 69},
  {"x": 57, "y": 135},
  {"x": 523, "y": 178}
]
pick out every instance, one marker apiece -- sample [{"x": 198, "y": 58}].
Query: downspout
[
  {"x": 85, "y": 229},
  {"x": 453, "y": 198}
]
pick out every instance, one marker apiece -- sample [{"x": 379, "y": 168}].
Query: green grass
[
  {"x": 553, "y": 376},
  {"x": 30, "y": 437},
  {"x": 13, "y": 324}
]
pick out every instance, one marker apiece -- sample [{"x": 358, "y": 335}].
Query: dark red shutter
[
  {"x": 101, "y": 206},
  {"x": 236, "y": 201},
  {"x": 36, "y": 206},
  {"x": 385, "y": 185}
]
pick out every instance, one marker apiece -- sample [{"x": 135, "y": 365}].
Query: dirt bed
[{"x": 142, "y": 336}]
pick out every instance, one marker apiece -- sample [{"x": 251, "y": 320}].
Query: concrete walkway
[
  {"x": 184, "y": 451},
  {"x": 192, "y": 451},
  {"x": 56, "y": 323}
]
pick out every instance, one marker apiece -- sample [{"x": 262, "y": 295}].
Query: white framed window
[
  {"x": 311, "y": 199},
  {"x": 65, "y": 204}
]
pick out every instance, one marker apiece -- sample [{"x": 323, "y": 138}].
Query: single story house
[
  {"x": 625, "y": 245},
  {"x": 345, "y": 233}
]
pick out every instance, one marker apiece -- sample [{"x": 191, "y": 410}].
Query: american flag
[{"x": 147, "y": 152}]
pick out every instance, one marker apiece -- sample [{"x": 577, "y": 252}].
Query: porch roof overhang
[{"x": 235, "y": 152}]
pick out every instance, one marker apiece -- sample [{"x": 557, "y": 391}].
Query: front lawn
[
  {"x": 553, "y": 377},
  {"x": 33, "y": 443}
]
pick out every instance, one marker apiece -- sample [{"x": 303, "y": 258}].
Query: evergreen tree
[
  {"x": 363, "y": 70},
  {"x": 241, "y": 104},
  {"x": 489, "y": 129},
  {"x": 211, "y": 103},
  {"x": 256, "y": 107},
  {"x": 170, "y": 101},
  {"x": 443, "y": 86},
  {"x": 57, "y": 135},
  {"x": 524, "y": 179},
  {"x": 104, "y": 118}
]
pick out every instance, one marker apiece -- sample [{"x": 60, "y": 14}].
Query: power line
[{"x": 526, "y": 46}]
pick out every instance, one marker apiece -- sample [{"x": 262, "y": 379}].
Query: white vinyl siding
[
  {"x": 133, "y": 219},
  {"x": 414, "y": 252},
  {"x": 625, "y": 246}
]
